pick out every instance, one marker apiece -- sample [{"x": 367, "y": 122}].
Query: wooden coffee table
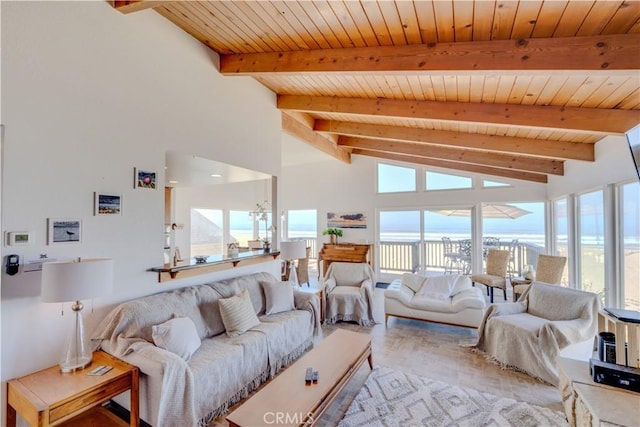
[{"x": 287, "y": 401}]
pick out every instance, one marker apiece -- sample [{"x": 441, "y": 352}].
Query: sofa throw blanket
[{"x": 529, "y": 334}]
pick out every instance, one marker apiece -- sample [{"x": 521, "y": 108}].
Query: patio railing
[{"x": 411, "y": 256}]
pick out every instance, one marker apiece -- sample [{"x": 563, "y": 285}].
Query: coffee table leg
[{"x": 370, "y": 359}]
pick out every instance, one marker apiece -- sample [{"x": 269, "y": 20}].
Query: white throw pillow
[
  {"x": 278, "y": 297},
  {"x": 177, "y": 335},
  {"x": 412, "y": 281},
  {"x": 237, "y": 314},
  {"x": 444, "y": 286}
]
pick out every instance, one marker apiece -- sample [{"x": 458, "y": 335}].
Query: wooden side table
[
  {"x": 320, "y": 294},
  {"x": 520, "y": 282},
  {"x": 49, "y": 397}
]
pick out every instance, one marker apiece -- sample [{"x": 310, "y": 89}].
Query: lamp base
[
  {"x": 77, "y": 354},
  {"x": 293, "y": 275},
  {"x": 75, "y": 365}
]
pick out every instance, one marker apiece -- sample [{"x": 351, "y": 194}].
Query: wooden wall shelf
[{"x": 213, "y": 264}]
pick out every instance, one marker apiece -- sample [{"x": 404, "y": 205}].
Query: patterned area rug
[{"x": 395, "y": 398}]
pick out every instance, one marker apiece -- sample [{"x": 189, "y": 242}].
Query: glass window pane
[
  {"x": 399, "y": 241},
  {"x": 631, "y": 245},
  {"x": 207, "y": 231},
  {"x": 561, "y": 236},
  {"x": 241, "y": 227},
  {"x": 501, "y": 221},
  {"x": 303, "y": 224},
  {"x": 487, "y": 183},
  {"x": 591, "y": 242},
  {"x": 442, "y": 236},
  {"x": 393, "y": 179},
  {"x": 442, "y": 181}
]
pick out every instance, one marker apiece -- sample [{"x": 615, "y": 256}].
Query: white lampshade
[
  {"x": 76, "y": 280},
  {"x": 293, "y": 250}
]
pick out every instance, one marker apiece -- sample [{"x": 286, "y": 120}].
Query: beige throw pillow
[
  {"x": 177, "y": 335},
  {"x": 237, "y": 314},
  {"x": 278, "y": 297}
]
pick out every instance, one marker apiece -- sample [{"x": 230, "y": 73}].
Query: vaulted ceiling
[{"x": 500, "y": 87}]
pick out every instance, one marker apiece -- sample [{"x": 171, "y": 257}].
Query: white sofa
[
  {"x": 175, "y": 391},
  {"x": 449, "y": 299}
]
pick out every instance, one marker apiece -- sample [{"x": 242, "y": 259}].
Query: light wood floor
[{"x": 434, "y": 351}]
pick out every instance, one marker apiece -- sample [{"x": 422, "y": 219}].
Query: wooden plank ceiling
[{"x": 499, "y": 87}]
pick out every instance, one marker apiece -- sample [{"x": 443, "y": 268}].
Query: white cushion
[
  {"x": 178, "y": 335},
  {"x": 237, "y": 314},
  {"x": 412, "y": 281},
  {"x": 278, "y": 297},
  {"x": 444, "y": 286}
]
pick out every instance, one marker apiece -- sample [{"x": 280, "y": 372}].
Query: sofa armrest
[
  {"x": 399, "y": 292},
  {"x": 366, "y": 284},
  {"x": 311, "y": 303},
  {"x": 468, "y": 298},
  {"x": 149, "y": 359},
  {"x": 567, "y": 332},
  {"x": 328, "y": 284}
]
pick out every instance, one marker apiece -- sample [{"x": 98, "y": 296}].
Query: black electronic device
[
  {"x": 308, "y": 376},
  {"x": 13, "y": 263},
  {"x": 629, "y": 316},
  {"x": 615, "y": 375}
]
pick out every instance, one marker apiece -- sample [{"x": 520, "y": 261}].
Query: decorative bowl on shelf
[{"x": 200, "y": 259}]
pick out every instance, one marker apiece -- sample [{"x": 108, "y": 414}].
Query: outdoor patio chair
[
  {"x": 451, "y": 256},
  {"x": 464, "y": 255},
  {"x": 496, "y": 272},
  {"x": 513, "y": 269}
]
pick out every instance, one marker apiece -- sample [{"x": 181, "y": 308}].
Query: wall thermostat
[{"x": 18, "y": 238}]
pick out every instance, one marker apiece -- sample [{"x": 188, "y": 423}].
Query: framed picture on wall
[
  {"x": 107, "y": 204},
  {"x": 144, "y": 179},
  {"x": 346, "y": 220},
  {"x": 64, "y": 231}
]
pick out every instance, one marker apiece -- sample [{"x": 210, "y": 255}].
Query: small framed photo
[
  {"x": 144, "y": 179},
  {"x": 107, "y": 204},
  {"x": 18, "y": 238},
  {"x": 64, "y": 231}
]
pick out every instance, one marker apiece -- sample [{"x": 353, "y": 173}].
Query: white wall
[
  {"x": 331, "y": 186},
  {"x": 87, "y": 95},
  {"x": 613, "y": 164}
]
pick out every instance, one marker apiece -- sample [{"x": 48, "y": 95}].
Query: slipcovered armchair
[
  {"x": 348, "y": 289},
  {"x": 548, "y": 321}
]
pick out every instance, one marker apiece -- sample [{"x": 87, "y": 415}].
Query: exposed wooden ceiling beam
[
  {"x": 303, "y": 132},
  {"x": 603, "y": 52},
  {"x": 507, "y": 161},
  {"x": 130, "y": 6},
  {"x": 568, "y": 118},
  {"x": 508, "y": 144},
  {"x": 468, "y": 167}
]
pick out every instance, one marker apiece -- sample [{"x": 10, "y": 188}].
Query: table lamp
[
  {"x": 73, "y": 281},
  {"x": 290, "y": 251}
]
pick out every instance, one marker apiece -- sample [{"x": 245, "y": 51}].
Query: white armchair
[
  {"x": 348, "y": 289},
  {"x": 547, "y": 321}
]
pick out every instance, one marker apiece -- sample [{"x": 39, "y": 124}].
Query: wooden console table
[
  {"x": 587, "y": 403},
  {"x": 344, "y": 252}
]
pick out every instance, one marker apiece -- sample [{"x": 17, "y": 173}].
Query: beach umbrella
[{"x": 489, "y": 210}]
